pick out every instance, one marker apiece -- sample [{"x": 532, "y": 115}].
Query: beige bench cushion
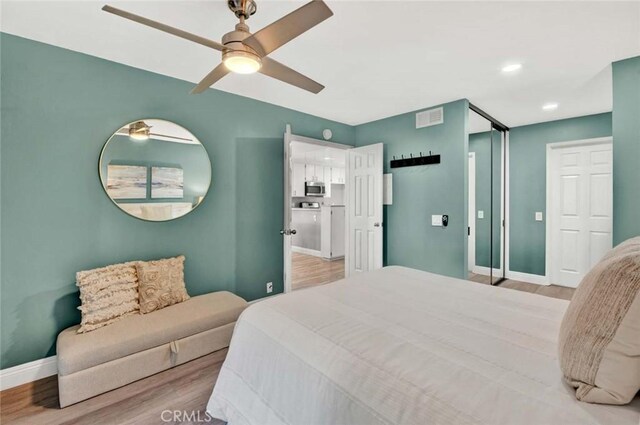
[{"x": 136, "y": 333}]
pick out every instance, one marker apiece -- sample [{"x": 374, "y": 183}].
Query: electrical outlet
[
  {"x": 269, "y": 287},
  {"x": 436, "y": 220},
  {"x": 538, "y": 216},
  {"x": 480, "y": 214}
]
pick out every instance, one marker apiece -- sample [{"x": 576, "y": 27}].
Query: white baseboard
[
  {"x": 307, "y": 251},
  {"x": 28, "y": 372},
  {"x": 527, "y": 277}
]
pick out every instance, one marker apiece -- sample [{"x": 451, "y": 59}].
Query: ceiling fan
[{"x": 246, "y": 53}]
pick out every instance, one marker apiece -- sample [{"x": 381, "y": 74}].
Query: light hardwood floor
[
  {"x": 185, "y": 388},
  {"x": 308, "y": 271}
]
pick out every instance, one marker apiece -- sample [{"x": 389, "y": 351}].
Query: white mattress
[{"x": 401, "y": 346}]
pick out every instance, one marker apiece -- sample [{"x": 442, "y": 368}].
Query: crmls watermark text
[{"x": 193, "y": 416}]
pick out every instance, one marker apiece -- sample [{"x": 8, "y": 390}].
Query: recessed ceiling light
[
  {"x": 512, "y": 68},
  {"x": 550, "y": 106}
]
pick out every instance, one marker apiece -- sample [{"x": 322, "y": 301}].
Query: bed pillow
[
  {"x": 107, "y": 294},
  {"x": 599, "y": 344},
  {"x": 161, "y": 283},
  {"x": 627, "y": 247}
]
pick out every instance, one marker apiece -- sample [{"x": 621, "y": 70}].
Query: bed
[{"x": 402, "y": 346}]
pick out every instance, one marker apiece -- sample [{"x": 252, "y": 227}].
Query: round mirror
[{"x": 155, "y": 170}]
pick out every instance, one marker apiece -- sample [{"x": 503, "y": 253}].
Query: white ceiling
[{"x": 376, "y": 58}]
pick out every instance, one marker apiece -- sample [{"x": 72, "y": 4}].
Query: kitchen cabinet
[
  {"x": 297, "y": 179},
  {"x": 314, "y": 173},
  {"x": 307, "y": 223},
  {"x": 333, "y": 232},
  {"x": 337, "y": 175}
]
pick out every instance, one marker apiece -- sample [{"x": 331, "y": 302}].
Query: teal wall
[
  {"x": 58, "y": 109},
  {"x": 419, "y": 192},
  {"x": 192, "y": 158},
  {"x": 527, "y": 183},
  {"x": 480, "y": 144},
  {"x": 626, "y": 149}
]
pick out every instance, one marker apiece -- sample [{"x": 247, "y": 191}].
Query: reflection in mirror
[
  {"x": 155, "y": 170},
  {"x": 485, "y": 200}
]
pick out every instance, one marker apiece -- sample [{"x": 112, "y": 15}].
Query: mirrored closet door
[{"x": 486, "y": 198}]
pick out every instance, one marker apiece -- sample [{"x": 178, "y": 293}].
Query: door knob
[
  {"x": 293, "y": 231},
  {"x": 376, "y": 224}
]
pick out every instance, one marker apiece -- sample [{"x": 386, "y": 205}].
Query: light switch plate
[
  {"x": 538, "y": 216},
  {"x": 436, "y": 220},
  {"x": 480, "y": 214}
]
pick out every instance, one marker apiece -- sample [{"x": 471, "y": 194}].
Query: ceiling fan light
[
  {"x": 242, "y": 62},
  {"x": 139, "y": 130}
]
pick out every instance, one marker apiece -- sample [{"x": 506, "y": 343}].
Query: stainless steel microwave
[{"x": 314, "y": 189}]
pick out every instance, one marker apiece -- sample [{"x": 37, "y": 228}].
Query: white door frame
[
  {"x": 548, "y": 220},
  {"x": 471, "y": 240},
  {"x": 288, "y": 138}
]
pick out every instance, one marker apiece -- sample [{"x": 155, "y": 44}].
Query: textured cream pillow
[
  {"x": 161, "y": 283},
  {"x": 107, "y": 294},
  {"x": 599, "y": 344}
]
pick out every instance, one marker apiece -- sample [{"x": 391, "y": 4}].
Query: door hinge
[{"x": 468, "y": 230}]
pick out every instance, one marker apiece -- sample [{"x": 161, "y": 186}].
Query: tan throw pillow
[
  {"x": 161, "y": 283},
  {"x": 107, "y": 294},
  {"x": 629, "y": 246},
  {"x": 599, "y": 344}
]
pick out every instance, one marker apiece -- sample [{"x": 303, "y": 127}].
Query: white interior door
[
  {"x": 364, "y": 209},
  {"x": 472, "y": 212},
  {"x": 580, "y": 208}
]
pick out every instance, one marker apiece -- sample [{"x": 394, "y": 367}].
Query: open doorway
[
  {"x": 332, "y": 225},
  {"x": 318, "y": 216}
]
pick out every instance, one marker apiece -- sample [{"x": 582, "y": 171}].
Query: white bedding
[{"x": 401, "y": 346}]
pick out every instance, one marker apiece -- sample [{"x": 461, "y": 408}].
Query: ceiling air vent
[{"x": 429, "y": 118}]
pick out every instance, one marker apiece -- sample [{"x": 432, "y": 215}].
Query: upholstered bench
[{"x": 141, "y": 345}]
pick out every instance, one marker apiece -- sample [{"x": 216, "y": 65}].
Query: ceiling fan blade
[
  {"x": 288, "y": 27},
  {"x": 217, "y": 73},
  {"x": 275, "y": 69},
  {"x": 162, "y": 27}
]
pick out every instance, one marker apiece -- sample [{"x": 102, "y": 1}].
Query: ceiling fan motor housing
[
  {"x": 233, "y": 44},
  {"x": 242, "y": 8}
]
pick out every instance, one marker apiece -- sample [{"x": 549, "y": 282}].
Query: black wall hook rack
[{"x": 417, "y": 160}]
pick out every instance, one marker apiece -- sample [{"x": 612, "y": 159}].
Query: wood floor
[
  {"x": 308, "y": 271},
  {"x": 185, "y": 388},
  {"x": 553, "y": 291}
]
